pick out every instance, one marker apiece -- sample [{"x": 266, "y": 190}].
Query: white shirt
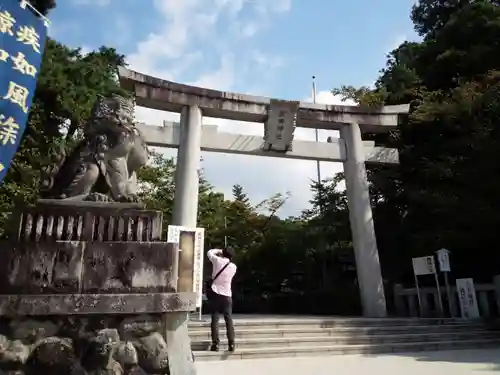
[{"x": 221, "y": 285}]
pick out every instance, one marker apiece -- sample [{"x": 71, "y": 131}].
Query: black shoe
[
  {"x": 214, "y": 348},
  {"x": 231, "y": 347}
]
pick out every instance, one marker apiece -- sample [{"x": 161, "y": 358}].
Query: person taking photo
[{"x": 219, "y": 294}]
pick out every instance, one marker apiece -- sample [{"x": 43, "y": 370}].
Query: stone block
[
  {"x": 84, "y": 304},
  {"x": 153, "y": 354},
  {"x": 88, "y": 349},
  {"x": 126, "y": 354},
  {"x": 29, "y": 330},
  {"x": 134, "y": 328},
  {"x": 43, "y": 267},
  {"x": 16, "y": 354},
  {"x": 128, "y": 267},
  {"x": 55, "y": 356}
]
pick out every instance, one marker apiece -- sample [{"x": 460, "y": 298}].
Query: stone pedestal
[{"x": 85, "y": 288}]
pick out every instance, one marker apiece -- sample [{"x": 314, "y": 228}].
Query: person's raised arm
[{"x": 213, "y": 254}]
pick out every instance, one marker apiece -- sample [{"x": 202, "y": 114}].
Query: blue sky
[{"x": 261, "y": 47}]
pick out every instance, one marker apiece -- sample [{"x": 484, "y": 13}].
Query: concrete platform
[{"x": 460, "y": 362}]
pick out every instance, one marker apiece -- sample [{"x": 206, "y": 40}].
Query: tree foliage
[
  {"x": 67, "y": 87},
  {"x": 443, "y": 194},
  {"x": 43, "y": 6},
  {"x": 239, "y": 195},
  {"x": 282, "y": 263}
]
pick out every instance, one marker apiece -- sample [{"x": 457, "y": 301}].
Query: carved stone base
[
  {"x": 66, "y": 220},
  {"x": 97, "y": 344}
]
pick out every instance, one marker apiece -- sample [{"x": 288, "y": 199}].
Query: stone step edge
[
  {"x": 322, "y": 329},
  {"x": 325, "y": 325},
  {"x": 330, "y": 338},
  {"x": 345, "y": 349},
  {"x": 344, "y": 321}
]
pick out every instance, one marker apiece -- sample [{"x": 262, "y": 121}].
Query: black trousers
[{"x": 221, "y": 305}]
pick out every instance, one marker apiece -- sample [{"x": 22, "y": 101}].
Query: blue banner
[{"x": 22, "y": 41}]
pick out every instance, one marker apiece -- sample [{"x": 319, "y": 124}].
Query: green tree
[
  {"x": 328, "y": 233},
  {"x": 212, "y": 211},
  {"x": 43, "y": 6},
  {"x": 443, "y": 192},
  {"x": 157, "y": 187},
  {"x": 239, "y": 195},
  {"x": 430, "y": 16},
  {"x": 67, "y": 87}
]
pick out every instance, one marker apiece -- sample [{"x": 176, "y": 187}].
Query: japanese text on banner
[{"x": 22, "y": 39}]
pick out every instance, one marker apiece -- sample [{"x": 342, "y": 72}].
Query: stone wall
[
  {"x": 85, "y": 289},
  {"x": 87, "y": 267},
  {"x": 90, "y": 345}
]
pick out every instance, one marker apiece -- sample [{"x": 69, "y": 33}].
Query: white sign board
[
  {"x": 173, "y": 233},
  {"x": 424, "y": 266},
  {"x": 467, "y": 297},
  {"x": 443, "y": 256},
  {"x": 173, "y": 236}
]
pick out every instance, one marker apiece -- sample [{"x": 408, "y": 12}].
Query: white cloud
[
  {"x": 101, "y": 3},
  {"x": 166, "y": 52},
  {"x": 120, "y": 31},
  {"x": 189, "y": 21},
  {"x": 249, "y": 29},
  {"x": 264, "y": 10},
  {"x": 269, "y": 6},
  {"x": 171, "y": 40},
  {"x": 221, "y": 79},
  {"x": 266, "y": 60},
  {"x": 396, "y": 42},
  {"x": 85, "y": 50},
  {"x": 400, "y": 39},
  {"x": 233, "y": 6}
]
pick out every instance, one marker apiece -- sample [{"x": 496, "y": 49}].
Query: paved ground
[{"x": 464, "y": 362}]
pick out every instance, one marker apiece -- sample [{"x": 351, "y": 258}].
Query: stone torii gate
[{"x": 280, "y": 119}]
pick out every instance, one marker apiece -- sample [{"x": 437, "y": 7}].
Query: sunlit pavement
[{"x": 467, "y": 362}]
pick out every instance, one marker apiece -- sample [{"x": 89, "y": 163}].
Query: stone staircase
[{"x": 271, "y": 337}]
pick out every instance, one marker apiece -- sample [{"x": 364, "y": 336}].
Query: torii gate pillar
[
  {"x": 370, "y": 280},
  {"x": 185, "y": 212}
]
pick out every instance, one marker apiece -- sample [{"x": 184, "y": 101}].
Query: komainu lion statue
[{"x": 104, "y": 165}]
